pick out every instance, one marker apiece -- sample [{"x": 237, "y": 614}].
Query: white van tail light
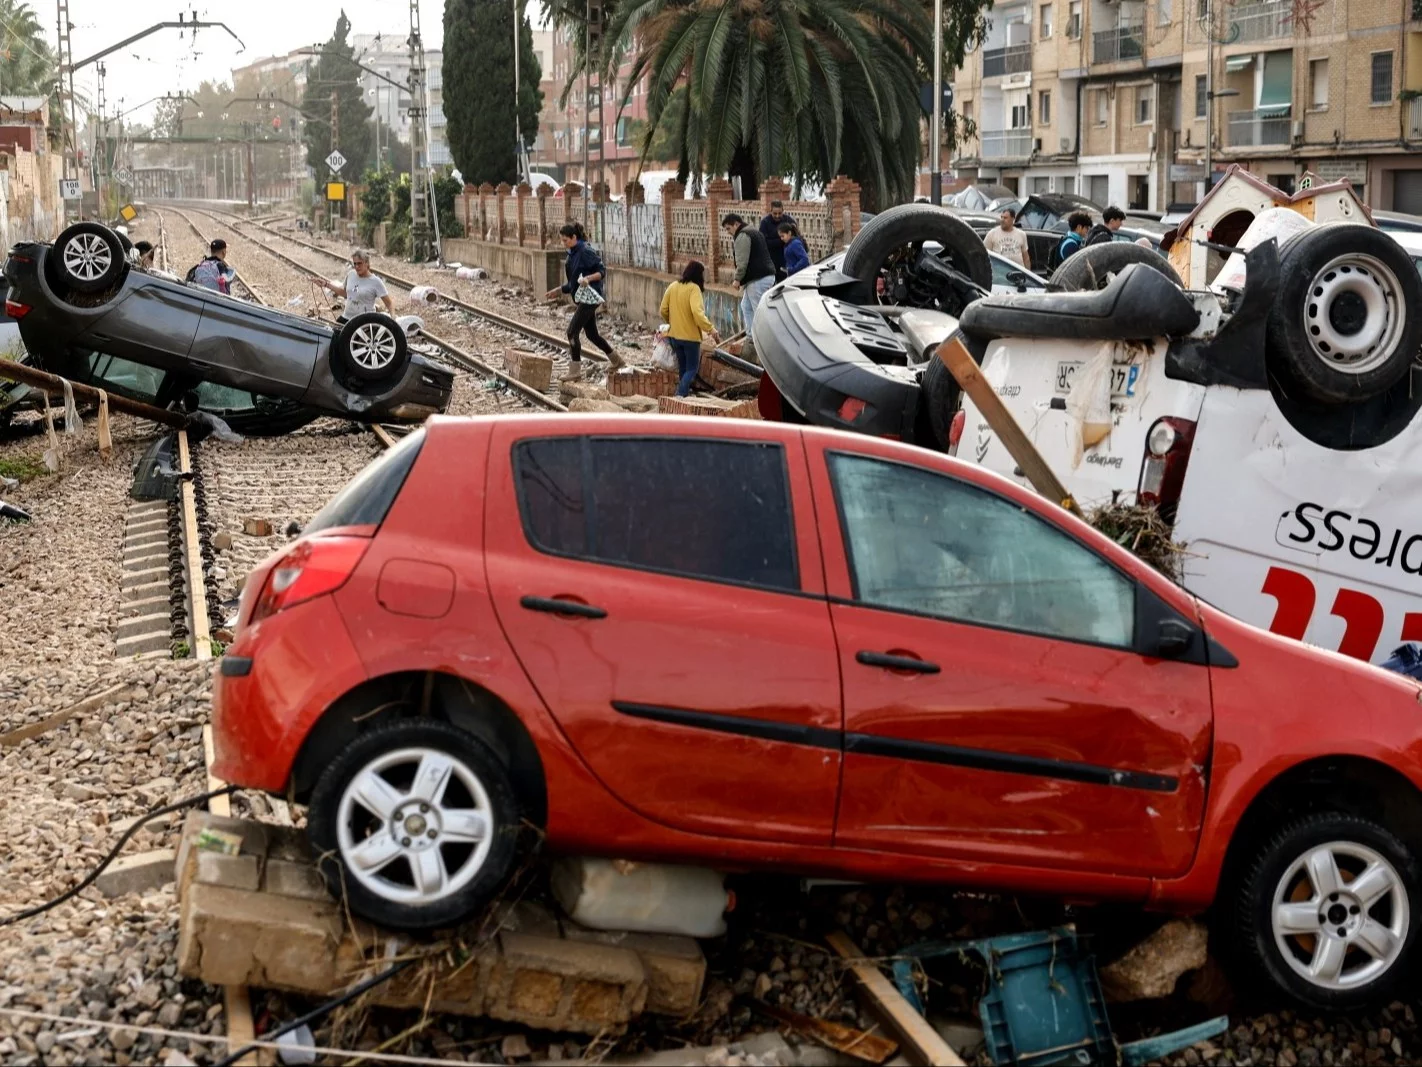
[{"x": 1167, "y": 453}]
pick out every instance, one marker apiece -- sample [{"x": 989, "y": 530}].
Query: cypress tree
[
  {"x": 334, "y": 71},
  {"x": 479, "y": 88}
]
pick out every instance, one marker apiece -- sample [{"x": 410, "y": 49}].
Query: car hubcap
[
  {"x": 87, "y": 257},
  {"x": 414, "y": 825},
  {"x": 373, "y": 346},
  {"x": 1340, "y": 915},
  {"x": 1353, "y": 316}
]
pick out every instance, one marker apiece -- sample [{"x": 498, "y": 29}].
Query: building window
[
  {"x": 1284, "y": 182},
  {"x": 968, "y": 110},
  {"x": 1382, "y": 77},
  {"x": 1074, "y": 20},
  {"x": 1044, "y": 22},
  {"x": 1041, "y": 185},
  {"x": 1202, "y": 9},
  {"x": 1164, "y": 12},
  {"x": 1018, "y": 120},
  {"x": 624, "y": 131},
  {"x": 1044, "y": 107},
  {"x": 1103, "y": 107},
  {"x": 1201, "y": 96},
  {"x": 1144, "y": 113},
  {"x": 1318, "y": 83}
]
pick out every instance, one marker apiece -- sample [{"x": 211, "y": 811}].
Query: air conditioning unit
[
  {"x": 1065, "y": 144},
  {"x": 1152, "y": 140},
  {"x": 1298, "y": 130}
]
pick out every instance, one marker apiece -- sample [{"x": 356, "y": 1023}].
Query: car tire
[
  {"x": 1294, "y": 948},
  {"x": 909, "y": 224},
  {"x": 89, "y": 258},
  {"x": 391, "y": 867},
  {"x": 940, "y": 395},
  {"x": 1347, "y": 323},
  {"x": 1094, "y": 267},
  {"x": 371, "y": 347}
]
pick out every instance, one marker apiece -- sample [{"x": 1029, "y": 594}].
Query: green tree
[
  {"x": 335, "y": 72},
  {"x": 27, "y": 65},
  {"x": 479, "y": 88}
]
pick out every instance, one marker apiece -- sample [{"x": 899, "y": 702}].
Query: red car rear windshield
[{"x": 366, "y": 500}]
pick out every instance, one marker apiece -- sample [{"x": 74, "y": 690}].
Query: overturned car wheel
[
  {"x": 88, "y": 258},
  {"x": 371, "y": 347},
  {"x": 885, "y": 251},
  {"x": 1095, "y": 266},
  {"x": 1347, "y": 324}
]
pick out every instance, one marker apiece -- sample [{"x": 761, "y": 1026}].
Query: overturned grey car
[{"x": 87, "y": 312}]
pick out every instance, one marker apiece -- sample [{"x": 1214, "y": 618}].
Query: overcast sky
[{"x": 164, "y": 63}]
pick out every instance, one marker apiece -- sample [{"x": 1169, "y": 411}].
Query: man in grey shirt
[{"x": 361, "y": 289}]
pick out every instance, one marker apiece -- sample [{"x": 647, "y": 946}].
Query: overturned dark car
[{"x": 86, "y": 312}]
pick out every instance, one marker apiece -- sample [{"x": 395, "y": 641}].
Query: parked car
[
  {"x": 889, "y": 664},
  {"x": 82, "y": 296}
]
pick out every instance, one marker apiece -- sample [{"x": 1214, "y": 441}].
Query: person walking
[
  {"x": 755, "y": 270},
  {"x": 770, "y": 230},
  {"x": 145, "y": 254},
  {"x": 585, "y": 273},
  {"x": 685, "y": 312},
  {"x": 793, "y": 248},
  {"x": 1078, "y": 223},
  {"x": 212, "y": 271},
  {"x": 361, "y": 289},
  {"x": 1105, "y": 231},
  {"x": 1008, "y": 241}
]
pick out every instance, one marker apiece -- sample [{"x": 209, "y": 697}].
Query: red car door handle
[
  {"x": 897, "y": 663},
  {"x": 559, "y": 606}
]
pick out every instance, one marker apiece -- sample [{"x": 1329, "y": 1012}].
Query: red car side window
[
  {"x": 697, "y": 507},
  {"x": 929, "y": 544}
]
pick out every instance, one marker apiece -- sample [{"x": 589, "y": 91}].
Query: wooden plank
[
  {"x": 861, "y": 1044},
  {"x": 236, "y": 1003},
  {"x": 201, "y": 635},
  {"x": 384, "y": 435},
  {"x": 88, "y": 704},
  {"x": 1019, "y": 446},
  {"x": 921, "y": 1043}
]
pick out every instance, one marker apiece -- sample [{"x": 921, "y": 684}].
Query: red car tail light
[
  {"x": 16, "y": 310},
  {"x": 955, "y": 431},
  {"x": 310, "y": 569},
  {"x": 1167, "y": 453}
]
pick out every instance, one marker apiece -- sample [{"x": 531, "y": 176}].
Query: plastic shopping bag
[{"x": 663, "y": 355}]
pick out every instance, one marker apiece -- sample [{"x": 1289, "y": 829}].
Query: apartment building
[
  {"x": 1109, "y": 98},
  {"x": 389, "y": 53}
]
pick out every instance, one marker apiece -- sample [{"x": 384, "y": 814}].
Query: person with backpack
[
  {"x": 796, "y": 258},
  {"x": 755, "y": 270},
  {"x": 1078, "y": 223},
  {"x": 212, "y": 272},
  {"x": 585, "y": 273},
  {"x": 684, "y": 311}
]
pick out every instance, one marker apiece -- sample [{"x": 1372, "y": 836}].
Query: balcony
[
  {"x": 1248, "y": 129},
  {"x": 1014, "y": 59},
  {"x": 1005, "y": 144},
  {"x": 1262, "y": 22},
  {"x": 1124, "y": 42}
]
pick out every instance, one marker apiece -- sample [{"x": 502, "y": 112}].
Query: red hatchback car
[{"x": 747, "y": 645}]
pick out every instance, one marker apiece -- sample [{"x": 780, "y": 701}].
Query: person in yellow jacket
[{"x": 683, "y": 310}]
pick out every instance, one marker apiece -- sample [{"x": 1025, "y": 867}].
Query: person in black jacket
[
  {"x": 770, "y": 230},
  {"x": 1104, "y": 232},
  {"x": 585, "y": 273},
  {"x": 755, "y": 270}
]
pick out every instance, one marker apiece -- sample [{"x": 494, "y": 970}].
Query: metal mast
[
  {"x": 70, "y": 147},
  {"x": 419, "y": 144}
]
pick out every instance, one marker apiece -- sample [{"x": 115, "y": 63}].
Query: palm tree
[
  {"x": 808, "y": 88},
  {"x": 27, "y": 64}
]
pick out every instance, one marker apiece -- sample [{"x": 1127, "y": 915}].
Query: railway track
[{"x": 462, "y": 359}]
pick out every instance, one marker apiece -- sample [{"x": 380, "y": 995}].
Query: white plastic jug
[{"x": 642, "y": 897}]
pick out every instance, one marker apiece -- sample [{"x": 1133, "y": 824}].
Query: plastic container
[
  {"x": 413, "y": 325},
  {"x": 297, "y": 1047},
  {"x": 471, "y": 274},
  {"x": 1280, "y": 223},
  {"x": 424, "y": 294},
  {"x": 646, "y": 898}
]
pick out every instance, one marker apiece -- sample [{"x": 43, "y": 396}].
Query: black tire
[
  {"x": 371, "y": 347},
  {"x": 371, "y": 902},
  {"x": 1094, "y": 266},
  {"x": 913, "y": 224},
  {"x": 1250, "y": 908},
  {"x": 1341, "y": 285},
  {"x": 939, "y": 394},
  {"x": 89, "y": 258}
]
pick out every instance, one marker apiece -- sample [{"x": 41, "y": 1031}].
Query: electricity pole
[
  {"x": 335, "y": 144},
  {"x": 420, "y": 180},
  {"x": 935, "y": 136},
  {"x": 518, "y": 89}
]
